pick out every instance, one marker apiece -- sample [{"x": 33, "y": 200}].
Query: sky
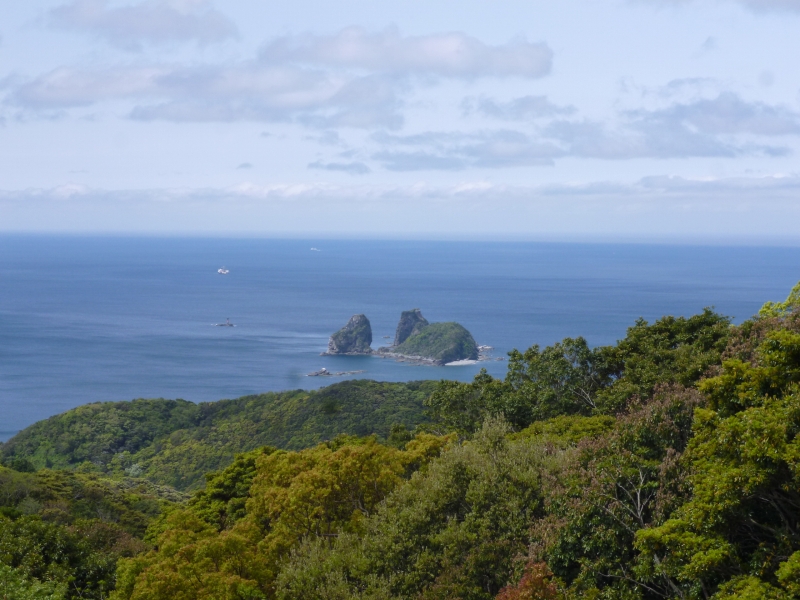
[{"x": 644, "y": 120}]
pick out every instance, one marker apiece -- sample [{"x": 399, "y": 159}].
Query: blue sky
[{"x": 581, "y": 120}]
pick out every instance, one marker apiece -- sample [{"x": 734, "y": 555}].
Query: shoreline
[
  {"x": 385, "y": 351},
  {"x": 415, "y": 360},
  {"x": 420, "y": 360}
]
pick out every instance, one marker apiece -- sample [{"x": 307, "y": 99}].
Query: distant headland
[{"x": 416, "y": 340}]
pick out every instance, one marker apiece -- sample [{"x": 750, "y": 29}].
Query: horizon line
[{"x": 474, "y": 237}]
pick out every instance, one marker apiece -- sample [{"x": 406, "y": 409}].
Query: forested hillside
[
  {"x": 62, "y": 532},
  {"x": 666, "y": 466},
  {"x": 175, "y": 442}
]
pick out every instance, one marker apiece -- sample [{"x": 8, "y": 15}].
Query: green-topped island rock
[{"x": 432, "y": 343}]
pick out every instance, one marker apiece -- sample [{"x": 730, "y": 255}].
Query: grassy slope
[{"x": 175, "y": 442}]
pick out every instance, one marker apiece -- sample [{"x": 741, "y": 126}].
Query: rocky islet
[
  {"x": 353, "y": 338},
  {"x": 416, "y": 340}
]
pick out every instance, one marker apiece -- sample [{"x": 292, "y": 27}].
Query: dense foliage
[
  {"x": 740, "y": 529},
  {"x": 175, "y": 442},
  {"x": 213, "y": 551},
  {"x": 62, "y": 532},
  {"x": 666, "y": 466},
  {"x": 571, "y": 378}
]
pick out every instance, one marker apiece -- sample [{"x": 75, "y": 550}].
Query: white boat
[{"x": 223, "y": 271}]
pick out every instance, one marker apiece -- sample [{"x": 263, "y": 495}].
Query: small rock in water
[{"x": 323, "y": 372}]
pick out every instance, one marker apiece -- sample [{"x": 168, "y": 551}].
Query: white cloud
[
  {"x": 241, "y": 92},
  {"x": 685, "y": 89},
  {"x": 457, "y": 151},
  {"x": 351, "y": 79},
  {"x": 726, "y": 114},
  {"x": 65, "y": 87},
  {"x": 327, "y": 138},
  {"x": 452, "y": 54},
  {"x": 725, "y": 126},
  {"x": 152, "y": 21},
  {"x": 519, "y": 109},
  {"x": 642, "y": 139},
  {"x": 353, "y": 168},
  {"x": 560, "y": 139},
  {"x": 68, "y": 190},
  {"x": 363, "y": 102}
]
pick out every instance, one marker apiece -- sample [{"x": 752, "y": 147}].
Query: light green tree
[
  {"x": 781, "y": 309},
  {"x": 15, "y": 586}
]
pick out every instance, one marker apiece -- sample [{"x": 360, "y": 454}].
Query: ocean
[{"x": 87, "y": 319}]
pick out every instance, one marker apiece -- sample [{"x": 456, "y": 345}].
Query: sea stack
[
  {"x": 353, "y": 338},
  {"x": 431, "y": 343},
  {"x": 411, "y": 323}
]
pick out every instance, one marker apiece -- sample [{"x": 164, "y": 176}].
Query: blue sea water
[{"x": 86, "y": 319}]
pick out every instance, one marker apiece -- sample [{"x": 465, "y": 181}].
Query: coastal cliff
[{"x": 411, "y": 323}]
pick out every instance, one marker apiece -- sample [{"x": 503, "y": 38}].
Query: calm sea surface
[{"x": 89, "y": 319}]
